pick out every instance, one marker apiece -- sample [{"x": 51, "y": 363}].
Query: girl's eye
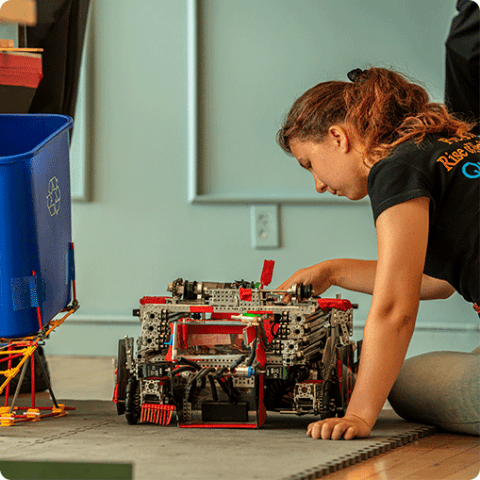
[{"x": 305, "y": 164}]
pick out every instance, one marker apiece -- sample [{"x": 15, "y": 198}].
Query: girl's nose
[{"x": 320, "y": 187}]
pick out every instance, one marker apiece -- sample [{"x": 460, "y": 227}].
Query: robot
[{"x": 220, "y": 355}]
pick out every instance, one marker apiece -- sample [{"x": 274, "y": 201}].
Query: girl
[{"x": 380, "y": 135}]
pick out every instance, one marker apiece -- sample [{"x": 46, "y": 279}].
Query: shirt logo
[
  {"x": 471, "y": 170},
  {"x": 451, "y": 159}
]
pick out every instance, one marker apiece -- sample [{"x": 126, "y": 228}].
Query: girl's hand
[
  {"x": 350, "y": 426},
  {"x": 317, "y": 275}
]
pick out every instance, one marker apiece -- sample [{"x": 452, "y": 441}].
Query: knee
[
  {"x": 440, "y": 388},
  {"x": 399, "y": 397}
]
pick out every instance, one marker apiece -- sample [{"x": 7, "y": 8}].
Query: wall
[
  {"x": 139, "y": 232},
  {"x": 9, "y": 31}
]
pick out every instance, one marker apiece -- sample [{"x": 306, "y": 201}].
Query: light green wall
[
  {"x": 9, "y": 31},
  {"x": 260, "y": 55},
  {"x": 139, "y": 232}
]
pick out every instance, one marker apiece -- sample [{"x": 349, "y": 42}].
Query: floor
[
  {"x": 82, "y": 378},
  {"x": 87, "y": 434},
  {"x": 438, "y": 457}
]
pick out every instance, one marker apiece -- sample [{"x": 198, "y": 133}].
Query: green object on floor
[{"x": 12, "y": 470}]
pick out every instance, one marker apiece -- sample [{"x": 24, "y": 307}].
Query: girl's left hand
[{"x": 350, "y": 426}]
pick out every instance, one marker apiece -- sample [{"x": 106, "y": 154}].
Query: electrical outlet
[{"x": 264, "y": 226}]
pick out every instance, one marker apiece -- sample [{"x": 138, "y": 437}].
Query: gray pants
[{"x": 442, "y": 389}]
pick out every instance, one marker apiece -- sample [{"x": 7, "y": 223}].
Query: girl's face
[{"x": 336, "y": 163}]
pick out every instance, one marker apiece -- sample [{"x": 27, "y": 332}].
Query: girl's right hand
[{"x": 319, "y": 276}]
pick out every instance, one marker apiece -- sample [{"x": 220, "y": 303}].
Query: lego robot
[{"x": 222, "y": 354}]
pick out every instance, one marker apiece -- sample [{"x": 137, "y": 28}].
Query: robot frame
[{"x": 221, "y": 355}]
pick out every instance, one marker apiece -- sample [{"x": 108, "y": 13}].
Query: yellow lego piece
[
  {"x": 6, "y": 418},
  {"x": 33, "y": 414},
  {"x": 60, "y": 411},
  {"x": 7, "y": 421}
]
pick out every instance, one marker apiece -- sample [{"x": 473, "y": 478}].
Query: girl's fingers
[{"x": 332, "y": 429}]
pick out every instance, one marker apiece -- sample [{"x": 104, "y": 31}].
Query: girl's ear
[{"x": 340, "y": 138}]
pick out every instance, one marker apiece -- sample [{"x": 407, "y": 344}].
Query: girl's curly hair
[{"x": 382, "y": 107}]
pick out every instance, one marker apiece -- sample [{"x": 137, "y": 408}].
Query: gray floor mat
[{"x": 279, "y": 450}]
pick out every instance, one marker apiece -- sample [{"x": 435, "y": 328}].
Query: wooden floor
[{"x": 441, "y": 456}]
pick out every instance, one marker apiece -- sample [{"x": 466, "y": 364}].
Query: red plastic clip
[
  {"x": 338, "y": 303},
  {"x": 267, "y": 272},
  {"x": 154, "y": 300},
  {"x": 245, "y": 294}
]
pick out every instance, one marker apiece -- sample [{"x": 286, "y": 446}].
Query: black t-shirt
[{"x": 447, "y": 171}]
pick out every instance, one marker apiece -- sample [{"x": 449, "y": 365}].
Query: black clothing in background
[
  {"x": 60, "y": 31},
  {"x": 462, "y": 68}
]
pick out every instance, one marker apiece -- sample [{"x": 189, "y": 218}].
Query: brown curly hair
[{"x": 381, "y": 106}]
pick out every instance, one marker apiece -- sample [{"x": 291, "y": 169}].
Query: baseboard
[
  {"x": 98, "y": 335},
  {"x": 79, "y": 318},
  {"x": 437, "y": 336},
  {"x": 359, "y": 326}
]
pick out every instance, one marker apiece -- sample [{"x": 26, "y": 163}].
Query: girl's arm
[
  {"x": 358, "y": 276},
  {"x": 402, "y": 234}
]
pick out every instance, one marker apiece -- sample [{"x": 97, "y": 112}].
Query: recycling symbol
[{"x": 53, "y": 197}]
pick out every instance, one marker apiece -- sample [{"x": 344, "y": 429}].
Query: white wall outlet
[{"x": 264, "y": 226}]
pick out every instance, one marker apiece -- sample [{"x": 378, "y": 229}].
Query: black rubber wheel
[
  {"x": 122, "y": 376},
  {"x": 132, "y": 401}
]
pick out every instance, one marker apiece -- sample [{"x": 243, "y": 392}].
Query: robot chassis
[{"x": 221, "y": 355}]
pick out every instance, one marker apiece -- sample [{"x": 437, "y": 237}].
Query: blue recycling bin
[{"x": 36, "y": 256}]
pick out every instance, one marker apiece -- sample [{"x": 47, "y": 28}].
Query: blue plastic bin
[{"x": 35, "y": 221}]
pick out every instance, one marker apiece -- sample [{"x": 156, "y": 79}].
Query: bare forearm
[
  {"x": 402, "y": 237},
  {"x": 352, "y": 274},
  {"x": 384, "y": 347},
  {"x": 359, "y": 276}
]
